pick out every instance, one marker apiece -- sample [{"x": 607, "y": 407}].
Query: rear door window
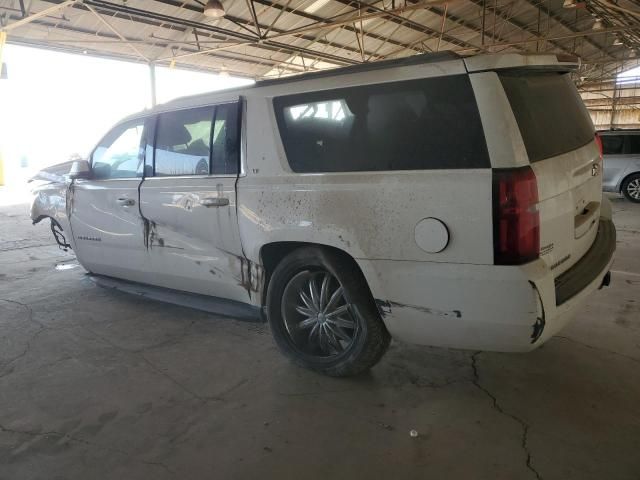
[
  {"x": 183, "y": 140},
  {"x": 225, "y": 144},
  {"x": 550, "y": 113},
  {"x": 412, "y": 125},
  {"x": 612, "y": 144},
  {"x": 198, "y": 141}
]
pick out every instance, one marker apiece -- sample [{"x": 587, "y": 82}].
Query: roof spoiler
[{"x": 551, "y": 61}]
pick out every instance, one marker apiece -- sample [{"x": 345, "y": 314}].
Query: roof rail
[{"x": 364, "y": 67}]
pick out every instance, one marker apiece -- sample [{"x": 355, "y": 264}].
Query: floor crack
[
  {"x": 29, "y": 310},
  {"x": 138, "y": 352},
  {"x": 27, "y": 347},
  {"x": 153, "y": 366},
  {"x": 72, "y": 438},
  {"x": 496, "y": 406},
  {"x": 593, "y": 347}
]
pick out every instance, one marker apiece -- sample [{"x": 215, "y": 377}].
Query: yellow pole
[{"x": 3, "y": 40}]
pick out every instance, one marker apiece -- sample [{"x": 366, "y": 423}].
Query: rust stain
[
  {"x": 149, "y": 232},
  {"x": 251, "y": 276}
]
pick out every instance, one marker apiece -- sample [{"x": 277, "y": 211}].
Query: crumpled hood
[{"x": 54, "y": 173}]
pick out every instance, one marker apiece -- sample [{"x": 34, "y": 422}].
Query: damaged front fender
[{"x": 51, "y": 200}]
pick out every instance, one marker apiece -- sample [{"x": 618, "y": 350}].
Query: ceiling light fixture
[
  {"x": 617, "y": 42},
  {"x": 214, "y": 9}
]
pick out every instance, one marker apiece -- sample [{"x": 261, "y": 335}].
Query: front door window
[{"x": 118, "y": 155}]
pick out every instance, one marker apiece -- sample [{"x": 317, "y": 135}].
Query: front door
[
  {"x": 104, "y": 212},
  {"x": 188, "y": 201}
]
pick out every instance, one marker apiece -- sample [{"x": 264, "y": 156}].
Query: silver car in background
[{"x": 621, "y": 149}]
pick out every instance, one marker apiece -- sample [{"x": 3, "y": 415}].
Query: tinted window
[
  {"x": 612, "y": 144},
  {"x": 119, "y": 155},
  {"x": 413, "y": 125},
  {"x": 549, "y": 111},
  {"x": 182, "y": 144},
  {"x": 225, "y": 150},
  {"x": 633, "y": 144}
]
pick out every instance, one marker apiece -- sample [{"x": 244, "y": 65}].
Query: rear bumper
[
  {"x": 579, "y": 276},
  {"x": 564, "y": 295},
  {"x": 484, "y": 307}
]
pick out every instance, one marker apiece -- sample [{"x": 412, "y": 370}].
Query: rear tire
[
  {"x": 322, "y": 315},
  {"x": 631, "y": 188}
]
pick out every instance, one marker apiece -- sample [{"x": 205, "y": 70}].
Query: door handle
[
  {"x": 126, "y": 202},
  {"x": 215, "y": 201}
]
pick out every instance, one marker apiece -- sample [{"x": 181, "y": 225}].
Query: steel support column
[{"x": 152, "y": 82}]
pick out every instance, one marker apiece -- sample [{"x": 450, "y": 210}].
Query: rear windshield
[
  {"x": 549, "y": 111},
  {"x": 412, "y": 125}
]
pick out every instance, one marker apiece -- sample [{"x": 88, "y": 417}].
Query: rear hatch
[{"x": 559, "y": 138}]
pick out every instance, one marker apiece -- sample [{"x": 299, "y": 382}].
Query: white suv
[{"x": 435, "y": 199}]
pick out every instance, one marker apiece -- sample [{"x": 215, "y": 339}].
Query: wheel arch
[
  {"x": 272, "y": 253},
  {"x": 624, "y": 179}
]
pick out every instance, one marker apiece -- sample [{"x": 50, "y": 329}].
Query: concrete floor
[{"x": 97, "y": 384}]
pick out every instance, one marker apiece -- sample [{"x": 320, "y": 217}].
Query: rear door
[
  {"x": 559, "y": 139},
  {"x": 104, "y": 215},
  {"x": 188, "y": 201}
]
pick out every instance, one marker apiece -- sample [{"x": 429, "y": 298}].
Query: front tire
[
  {"x": 631, "y": 188},
  {"x": 322, "y": 315}
]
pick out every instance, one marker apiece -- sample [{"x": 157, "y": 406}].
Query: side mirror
[{"x": 80, "y": 169}]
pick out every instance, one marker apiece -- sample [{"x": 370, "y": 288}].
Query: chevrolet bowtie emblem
[{"x": 595, "y": 169}]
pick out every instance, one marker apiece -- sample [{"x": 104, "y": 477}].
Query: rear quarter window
[
  {"x": 612, "y": 144},
  {"x": 633, "y": 142},
  {"x": 550, "y": 113},
  {"x": 412, "y": 125}
]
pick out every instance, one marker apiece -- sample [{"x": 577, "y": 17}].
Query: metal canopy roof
[{"x": 272, "y": 38}]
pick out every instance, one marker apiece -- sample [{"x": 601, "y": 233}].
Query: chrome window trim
[
  {"x": 86, "y": 180},
  {"x": 186, "y": 177}
]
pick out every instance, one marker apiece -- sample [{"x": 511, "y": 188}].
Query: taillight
[
  {"x": 516, "y": 221},
  {"x": 599, "y": 144}
]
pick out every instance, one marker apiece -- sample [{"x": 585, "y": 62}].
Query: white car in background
[
  {"x": 435, "y": 199},
  {"x": 621, "y": 149}
]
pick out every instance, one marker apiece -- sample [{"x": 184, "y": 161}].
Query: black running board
[{"x": 205, "y": 303}]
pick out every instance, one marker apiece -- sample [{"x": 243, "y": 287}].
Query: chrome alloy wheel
[
  {"x": 317, "y": 315},
  {"x": 633, "y": 188}
]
